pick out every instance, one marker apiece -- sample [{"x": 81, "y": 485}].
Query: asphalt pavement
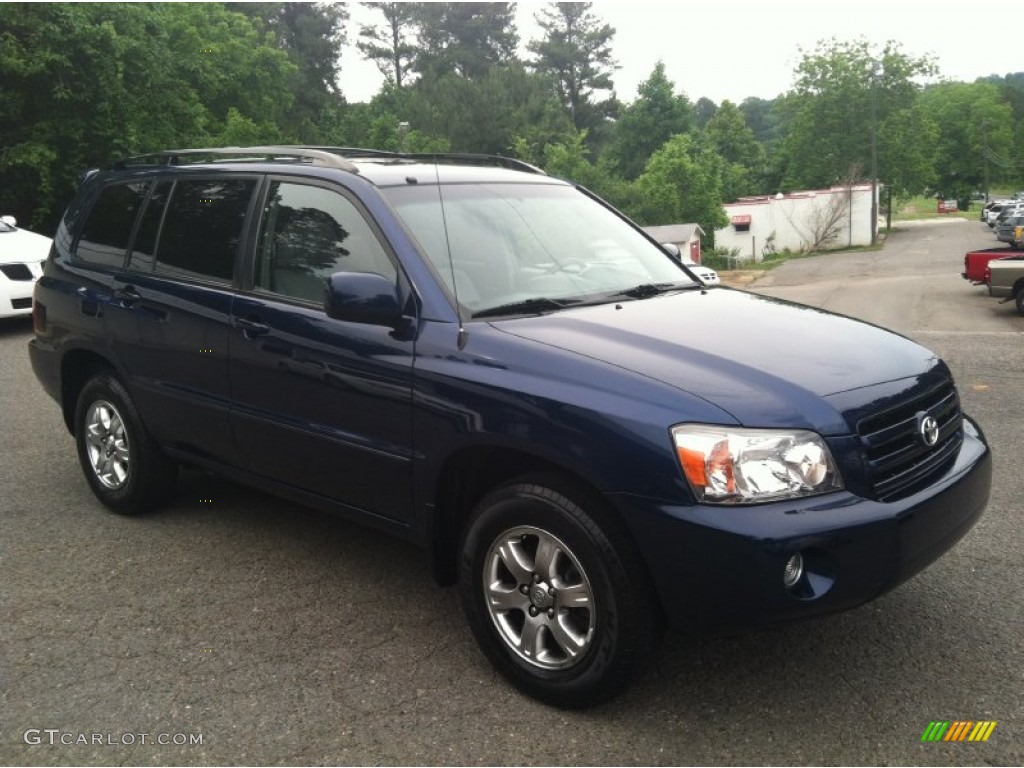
[{"x": 273, "y": 635}]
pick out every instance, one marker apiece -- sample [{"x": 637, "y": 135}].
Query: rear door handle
[
  {"x": 250, "y": 327},
  {"x": 127, "y": 294}
]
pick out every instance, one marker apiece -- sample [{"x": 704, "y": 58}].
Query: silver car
[{"x": 1011, "y": 230}]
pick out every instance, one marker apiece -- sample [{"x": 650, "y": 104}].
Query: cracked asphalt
[{"x": 281, "y": 636}]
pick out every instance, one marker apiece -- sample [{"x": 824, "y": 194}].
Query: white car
[
  {"x": 707, "y": 275},
  {"x": 22, "y": 254}
]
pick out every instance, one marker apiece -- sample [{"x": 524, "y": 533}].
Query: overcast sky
[{"x": 732, "y": 49}]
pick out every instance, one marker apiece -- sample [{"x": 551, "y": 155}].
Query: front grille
[
  {"x": 21, "y": 303},
  {"x": 16, "y": 271},
  {"x": 899, "y": 462}
]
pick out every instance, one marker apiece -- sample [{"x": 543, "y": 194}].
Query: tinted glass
[
  {"x": 144, "y": 248},
  {"x": 202, "y": 228},
  {"x": 108, "y": 229},
  {"x": 308, "y": 234}
]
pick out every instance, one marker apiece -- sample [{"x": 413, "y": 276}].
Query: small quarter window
[{"x": 108, "y": 228}]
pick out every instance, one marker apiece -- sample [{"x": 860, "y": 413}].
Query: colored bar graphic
[
  {"x": 982, "y": 731},
  {"x": 958, "y": 730}
]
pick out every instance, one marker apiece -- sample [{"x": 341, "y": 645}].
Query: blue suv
[{"x": 498, "y": 366}]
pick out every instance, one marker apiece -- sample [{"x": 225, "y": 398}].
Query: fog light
[{"x": 793, "y": 571}]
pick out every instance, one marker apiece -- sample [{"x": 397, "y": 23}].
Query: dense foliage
[{"x": 82, "y": 85}]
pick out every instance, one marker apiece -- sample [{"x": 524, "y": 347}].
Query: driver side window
[{"x": 308, "y": 233}]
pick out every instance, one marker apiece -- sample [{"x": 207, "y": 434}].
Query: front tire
[
  {"x": 122, "y": 464},
  {"x": 554, "y": 592}
]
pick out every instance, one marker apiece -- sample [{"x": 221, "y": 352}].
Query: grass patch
[
  {"x": 722, "y": 263},
  {"x": 928, "y": 208}
]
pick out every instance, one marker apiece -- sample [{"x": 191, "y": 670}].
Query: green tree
[
  {"x": 975, "y": 128},
  {"x": 388, "y": 45},
  {"x": 486, "y": 114},
  {"x": 645, "y": 125},
  {"x": 465, "y": 39},
  {"x": 843, "y": 92},
  {"x": 703, "y": 111},
  {"x": 681, "y": 184},
  {"x": 743, "y": 157},
  {"x": 762, "y": 117},
  {"x": 86, "y": 84},
  {"x": 1011, "y": 88},
  {"x": 575, "y": 53}
]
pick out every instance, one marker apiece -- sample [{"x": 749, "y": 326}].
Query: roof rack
[
  {"x": 313, "y": 155},
  {"x": 332, "y": 157},
  {"x": 467, "y": 158}
]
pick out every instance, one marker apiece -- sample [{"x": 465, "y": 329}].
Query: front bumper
[
  {"x": 720, "y": 568},
  {"x": 16, "y": 295}
]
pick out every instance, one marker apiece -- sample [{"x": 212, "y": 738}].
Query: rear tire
[
  {"x": 122, "y": 464},
  {"x": 554, "y": 592}
]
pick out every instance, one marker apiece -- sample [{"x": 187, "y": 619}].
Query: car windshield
[{"x": 530, "y": 248}]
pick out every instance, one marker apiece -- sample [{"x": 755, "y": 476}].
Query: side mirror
[
  {"x": 9, "y": 220},
  {"x": 672, "y": 250},
  {"x": 362, "y": 297}
]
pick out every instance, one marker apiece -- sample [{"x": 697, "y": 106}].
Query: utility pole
[
  {"x": 984, "y": 153},
  {"x": 875, "y": 65},
  {"x": 403, "y": 136}
]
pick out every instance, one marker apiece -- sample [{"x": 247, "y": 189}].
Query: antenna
[{"x": 462, "y": 335}]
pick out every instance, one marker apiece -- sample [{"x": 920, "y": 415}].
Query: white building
[
  {"x": 686, "y": 237},
  {"x": 839, "y": 217}
]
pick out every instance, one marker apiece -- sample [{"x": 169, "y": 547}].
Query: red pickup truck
[{"x": 976, "y": 261}]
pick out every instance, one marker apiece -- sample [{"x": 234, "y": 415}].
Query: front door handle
[{"x": 251, "y": 327}]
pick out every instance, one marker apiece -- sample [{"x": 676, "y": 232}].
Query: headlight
[{"x": 741, "y": 466}]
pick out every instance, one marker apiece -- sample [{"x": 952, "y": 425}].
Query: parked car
[
  {"x": 1009, "y": 211},
  {"x": 976, "y": 261},
  {"x": 22, "y": 254},
  {"x": 706, "y": 275},
  {"x": 1005, "y": 278},
  {"x": 1011, "y": 230},
  {"x": 427, "y": 344},
  {"x": 994, "y": 210}
]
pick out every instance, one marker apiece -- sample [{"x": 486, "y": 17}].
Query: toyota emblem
[{"x": 929, "y": 428}]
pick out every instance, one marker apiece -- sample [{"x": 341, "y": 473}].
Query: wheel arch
[
  {"x": 471, "y": 473},
  {"x": 77, "y": 367}
]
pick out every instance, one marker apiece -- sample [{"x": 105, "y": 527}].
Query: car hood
[
  {"x": 766, "y": 361},
  {"x": 22, "y": 246}
]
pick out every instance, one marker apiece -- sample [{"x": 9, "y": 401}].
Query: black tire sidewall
[
  {"x": 144, "y": 474},
  {"x": 621, "y": 631}
]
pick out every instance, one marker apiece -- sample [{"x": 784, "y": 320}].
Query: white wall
[{"x": 792, "y": 219}]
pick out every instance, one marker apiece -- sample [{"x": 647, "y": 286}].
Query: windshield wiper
[
  {"x": 646, "y": 290},
  {"x": 537, "y": 305}
]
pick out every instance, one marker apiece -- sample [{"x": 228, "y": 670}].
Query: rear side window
[
  {"x": 108, "y": 229},
  {"x": 203, "y": 227},
  {"x": 144, "y": 248}
]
